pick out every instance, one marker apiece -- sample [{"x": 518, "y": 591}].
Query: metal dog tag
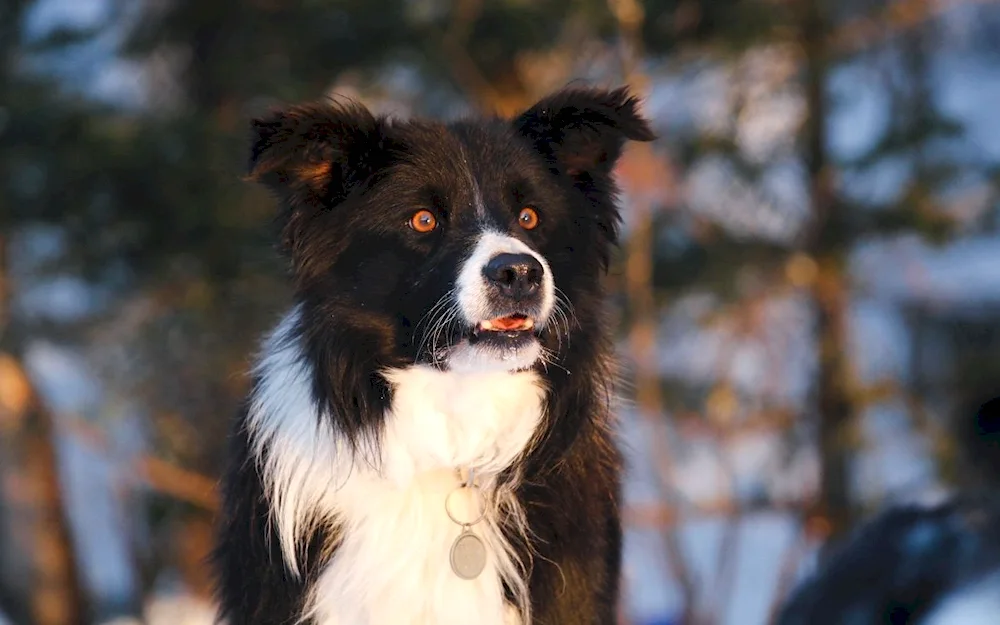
[{"x": 468, "y": 555}]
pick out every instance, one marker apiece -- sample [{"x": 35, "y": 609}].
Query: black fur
[{"x": 348, "y": 183}]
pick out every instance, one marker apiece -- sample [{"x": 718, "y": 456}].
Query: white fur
[
  {"x": 466, "y": 358},
  {"x": 392, "y": 564},
  {"x": 978, "y": 604},
  {"x": 472, "y": 288},
  {"x": 472, "y": 296}
]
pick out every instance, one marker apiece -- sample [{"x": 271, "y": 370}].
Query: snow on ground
[
  {"x": 978, "y": 604},
  {"x": 172, "y": 609}
]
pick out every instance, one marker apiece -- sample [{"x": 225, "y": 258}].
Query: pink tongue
[{"x": 509, "y": 323}]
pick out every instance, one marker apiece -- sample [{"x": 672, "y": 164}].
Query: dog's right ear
[
  {"x": 313, "y": 155},
  {"x": 581, "y": 132}
]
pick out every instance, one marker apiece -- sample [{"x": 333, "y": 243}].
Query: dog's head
[{"x": 469, "y": 246}]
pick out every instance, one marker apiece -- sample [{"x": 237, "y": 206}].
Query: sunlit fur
[{"x": 374, "y": 390}]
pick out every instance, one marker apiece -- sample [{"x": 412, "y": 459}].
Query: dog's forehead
[
  {"x": 469, "y": 162},
  {"x": 488, "y": 146}
]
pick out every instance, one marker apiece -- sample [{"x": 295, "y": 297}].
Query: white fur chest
[{"x": 392, "y": 565}]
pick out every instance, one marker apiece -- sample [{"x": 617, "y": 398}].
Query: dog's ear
[
  {"x": 581, "y": 132},
  {"x": 315, "y": 154}
]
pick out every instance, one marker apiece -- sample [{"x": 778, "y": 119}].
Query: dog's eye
[
  {"x": 528, "y": 218},
  {"x": 423, "y": 221}
]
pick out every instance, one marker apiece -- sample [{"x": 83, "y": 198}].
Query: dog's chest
[{"x": 392, "y": 565}]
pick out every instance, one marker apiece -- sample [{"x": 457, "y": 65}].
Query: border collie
[{"x": 428, "y": 439}]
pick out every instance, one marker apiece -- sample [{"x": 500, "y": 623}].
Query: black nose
[{"x": 517, "y": 275}]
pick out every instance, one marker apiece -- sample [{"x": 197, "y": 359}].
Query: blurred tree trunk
[
  {"x": 41, "y": 579},
  {"x": 644, "y": 313},
  {"x": 822, "y": 243}
]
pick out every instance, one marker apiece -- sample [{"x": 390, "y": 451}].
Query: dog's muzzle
[{"x": 506, "y": 295}]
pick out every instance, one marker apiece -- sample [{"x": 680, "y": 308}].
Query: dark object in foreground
[
  {"x": 912, "y": 565},
  {"x": 979, "y": 442}
]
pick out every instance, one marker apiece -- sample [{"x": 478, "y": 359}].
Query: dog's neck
[{"x": 439, "y": 423}]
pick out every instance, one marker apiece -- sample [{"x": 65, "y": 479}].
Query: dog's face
[{"x": 467, "y": 246}]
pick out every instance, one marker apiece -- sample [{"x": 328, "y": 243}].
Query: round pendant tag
[{"x": 468, "y": 556}]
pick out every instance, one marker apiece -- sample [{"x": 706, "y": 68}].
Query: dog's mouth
[
  {"x": 509, "y": 329},
  {"x": 510, "y": 323},
  {"x": 511, "y": 342}
]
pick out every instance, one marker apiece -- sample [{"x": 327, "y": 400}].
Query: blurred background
[{"x": 807, "y": 298}]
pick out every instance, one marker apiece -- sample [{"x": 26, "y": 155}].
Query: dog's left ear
[{"x": 581, "y": 132}]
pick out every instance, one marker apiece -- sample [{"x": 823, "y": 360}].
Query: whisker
[
  {"x": 562, "y": 298},
  {"x": 548, "y": 358},
  {"x": 442, "y": 301},
  {"x": 443, "y": 326},
  {"x": 441, "y": 310},
  {"x": 562, "y": 313}
]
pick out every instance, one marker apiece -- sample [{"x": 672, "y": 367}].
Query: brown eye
[
  {"x": 423, "y": 221},
  {"x": 528, "y": 218}
]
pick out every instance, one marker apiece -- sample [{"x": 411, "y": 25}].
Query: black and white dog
[{"x": 428, "y": 439}]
